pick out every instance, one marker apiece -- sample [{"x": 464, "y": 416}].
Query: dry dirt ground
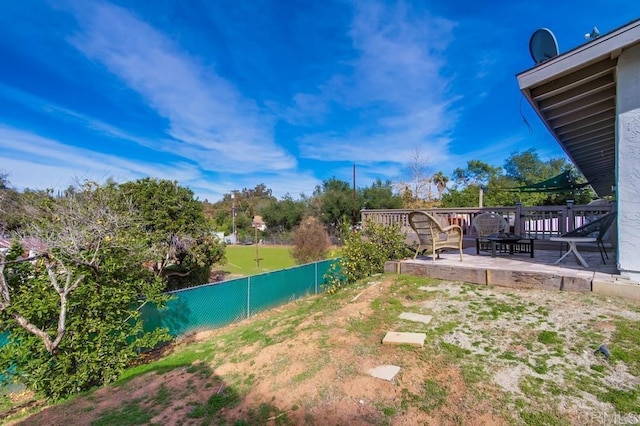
[{"x": 485, "y": 362}]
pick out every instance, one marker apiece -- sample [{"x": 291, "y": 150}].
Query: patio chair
[
  {"x": 432, "y": 236},
  {"x": 486, "y": 224},
  {"x": 592, "y": 232}
]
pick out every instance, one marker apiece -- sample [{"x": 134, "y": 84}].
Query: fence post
[
  {"x": 248, "y": 297},
  {"x": 316, "y": 276},
  {"x": 518, "y": 223},
  {"x": 570, "y": 217}
]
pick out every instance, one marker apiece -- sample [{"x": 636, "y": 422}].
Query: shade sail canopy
[{"x": 564, "y": 182}]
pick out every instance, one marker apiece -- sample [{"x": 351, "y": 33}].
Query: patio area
[{"x": 521, "y": 271}]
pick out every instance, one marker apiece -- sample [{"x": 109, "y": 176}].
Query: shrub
[
  {"x": 310, "y": 241},
  {"x": 365, "y": 252}
]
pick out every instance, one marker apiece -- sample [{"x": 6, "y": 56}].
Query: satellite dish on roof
[{"x": 543, "y": 45}]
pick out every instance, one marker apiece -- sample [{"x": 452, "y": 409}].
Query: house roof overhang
[{"x": 574, "y": 94}]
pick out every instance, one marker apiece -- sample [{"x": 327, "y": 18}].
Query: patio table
[
  {"x": 513, "y": 242},
  {"x": 573, "y": 248}
]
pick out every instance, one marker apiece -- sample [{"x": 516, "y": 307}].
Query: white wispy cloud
[
  {"x": 210, "y": 120},
  {"x": 41, "y": 162},
  {"x": 396, "y": 80}
]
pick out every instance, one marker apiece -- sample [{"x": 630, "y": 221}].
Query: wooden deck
[{"x": 521, "y": 271}]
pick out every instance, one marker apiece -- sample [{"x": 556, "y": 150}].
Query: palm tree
[{"x": 440, "y": 181}]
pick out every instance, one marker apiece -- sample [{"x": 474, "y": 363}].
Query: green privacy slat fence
[{"x": 215, "y": 305}]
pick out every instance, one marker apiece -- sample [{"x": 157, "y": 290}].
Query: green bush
[{"x": 365, "y": 252}]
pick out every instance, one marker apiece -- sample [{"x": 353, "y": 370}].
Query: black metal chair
[{"x": 595, "y": 229}]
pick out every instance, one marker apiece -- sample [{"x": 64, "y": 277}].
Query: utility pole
[
  {"x": 354, "y": 215},
  {"x": 233, "y": 216}
]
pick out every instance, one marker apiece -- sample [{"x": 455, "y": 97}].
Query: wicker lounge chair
[
  {"x": 486, "y": 224},
  {"x": 433, "y": 237}
]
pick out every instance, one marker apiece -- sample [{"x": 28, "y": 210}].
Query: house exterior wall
[{"x": 628, "y": 162}]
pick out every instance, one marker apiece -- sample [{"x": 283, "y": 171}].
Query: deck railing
[{"x": 542, "y": 222}]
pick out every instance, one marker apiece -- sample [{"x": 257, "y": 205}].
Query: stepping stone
[
  {"x": 425, "y": 319},
  {"x": 400, "y": 338},
  {"x": 384, "y": 372}
]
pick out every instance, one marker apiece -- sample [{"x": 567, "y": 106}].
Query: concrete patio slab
[
  {"x": 519, "y": 271},
  {"x": 425, "y": 319},
  {"x": 384, "y": 372},
  {"x": 402, "y": 338}
]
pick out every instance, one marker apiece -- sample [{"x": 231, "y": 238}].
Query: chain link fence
[{"x": 218, "y": 304}]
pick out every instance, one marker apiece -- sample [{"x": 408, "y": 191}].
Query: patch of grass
[
  {"x": 241, "y": 259},
  {"x": 625, "y": 344},
  {"x": 389, "y": 411},
  {"x": 532, "y": 386},
  {"x": 554, "y": 389},
  {"x": 251, "y": 335},
  {"x": 163, "y": 396},
  {"x": 365, "y": 350},
  {"x": 434, "y": 396},
  {"x": 131, "y": 413},
  {"x": 279, "y": 364},
  {"x": 583, "y": 381},
  {"x": 547, "y": 337},
  {"x": 540, "y": 365},
  {"x": 452, "y": 351},
  {"x": 542, "y": 418},
  {"x": 386, "y": 312},
  {"x": 314, "y": 368},
  {"x": 183, "y": 358},
  {"x": 444, "y": 328},
  {"x": 413, "y": 282},
  {"x": 264, "y": 414},
  {"x": 625, "y": 402},
  {"x": 509, "y": 356},
  {"x": 249, "y": 380},
  {"x": 498, "y": 309},
  {"x": 227, "y": 398},
  {"x": 473, "y": 373}
]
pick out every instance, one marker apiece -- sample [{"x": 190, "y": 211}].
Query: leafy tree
[
  {"x": 176, "y": 231},
  {"x": 254, "y": 200},
  {"x": 72, "y": 309},
  {"x": 16, "y": 208},
  {"x": 336, "y": 202},
  {"x": 526, "y": 168},
  {"x": 9, "y": 206},
  {"x": 476, "y": 173},
  {"x": 474, "y": 179},
  {"x": 465, "y": 197},
  {"x": 283, "y": 215},
  {"x": 247, "y": 202},
  {"x": 310, "y": 241},
  {"x": 380, "y": 196}
]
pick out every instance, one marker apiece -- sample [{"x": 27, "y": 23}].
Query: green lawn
[{"x": 241, "y": 259}]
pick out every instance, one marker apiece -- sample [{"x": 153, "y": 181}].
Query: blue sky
[{"x": 226, "y": 94}]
